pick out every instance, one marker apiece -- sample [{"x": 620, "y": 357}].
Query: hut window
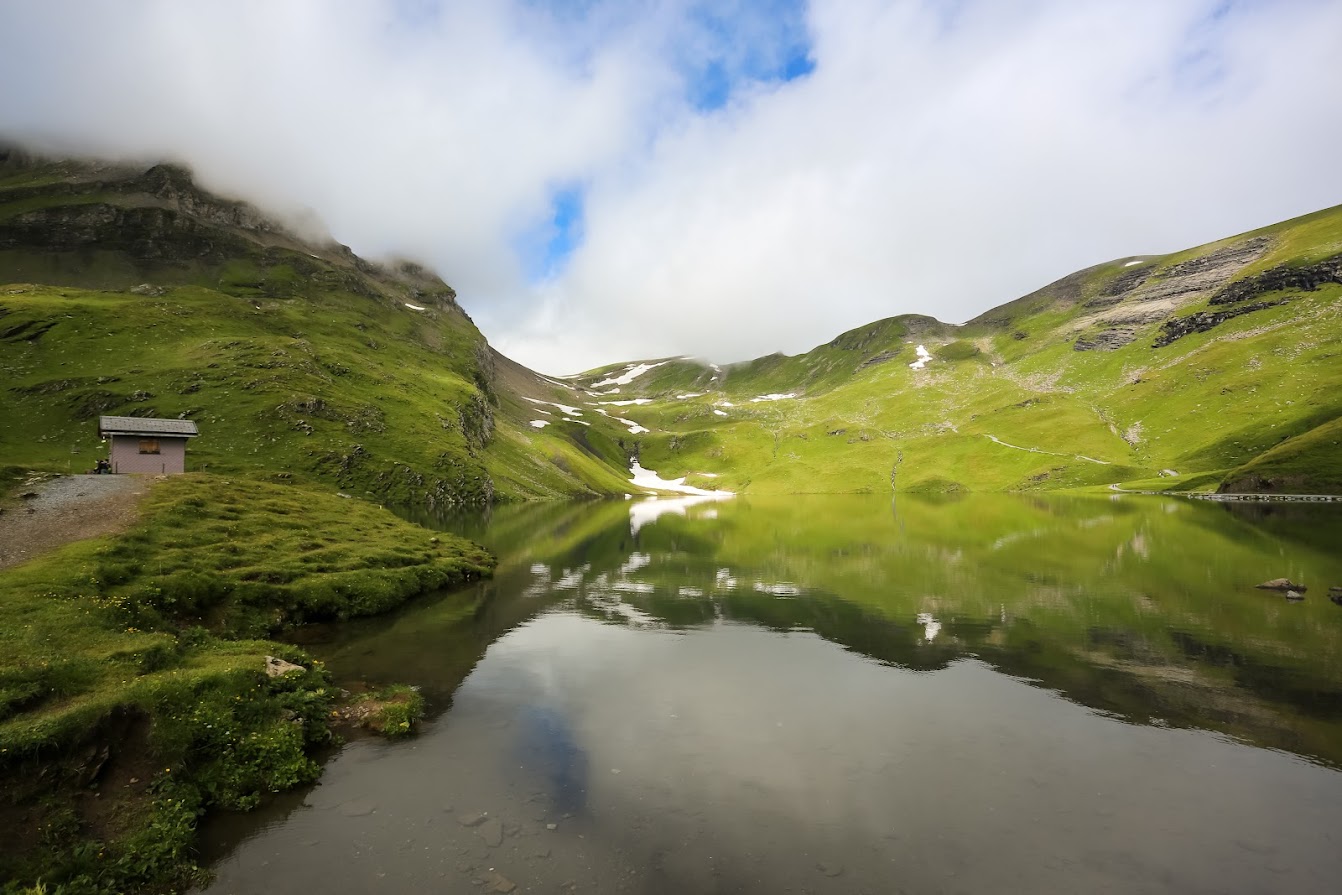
[{"x": 149, "y": 445}]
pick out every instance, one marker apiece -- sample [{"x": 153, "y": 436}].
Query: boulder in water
[{"x": 1282, "y": 584}]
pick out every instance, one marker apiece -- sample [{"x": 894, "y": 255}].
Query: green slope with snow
[{"x": 1217, "y": 365}]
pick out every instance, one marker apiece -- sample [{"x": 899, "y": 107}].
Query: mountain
[
  {"x": 1219, "y": 367},
  {"x": 133, "y": 291}
]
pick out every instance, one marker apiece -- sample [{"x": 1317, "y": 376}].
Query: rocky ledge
[
  {"x": 1176, "y": 328},
  {"x": 1303, "y": 279}
]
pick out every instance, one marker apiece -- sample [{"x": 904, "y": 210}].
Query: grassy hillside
[
  {"x": 1221, "y": 364},
  {"x": 135, "y": 293}
]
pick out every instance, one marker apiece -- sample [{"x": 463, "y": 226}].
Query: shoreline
[{"x": 144, "y": 683}]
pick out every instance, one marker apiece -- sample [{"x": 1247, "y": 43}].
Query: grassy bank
[{"x": 133, "y": 696}]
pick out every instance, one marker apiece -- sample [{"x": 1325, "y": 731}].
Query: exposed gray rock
[
  {"x": 1120, "y": 285},
  {"x": 1106, "y": 340},
  {"x": 492, "y": 832},
  {"x": 877, "y": 359},
  {"x": 276, "y": 667},
  {"x": 1176, "y": 328},
  {"x": 497, "y": 882},
  {"x": 1304, "y": 279},
  {"x": 1281, "y": 584}
]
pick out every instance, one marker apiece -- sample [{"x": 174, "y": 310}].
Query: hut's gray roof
[{"x": 140, "y": 425}]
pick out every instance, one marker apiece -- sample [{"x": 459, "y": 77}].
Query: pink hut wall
[{"x": 126, "y": 457}]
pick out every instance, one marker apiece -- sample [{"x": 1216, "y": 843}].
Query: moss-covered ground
[{"x": 133, "y": 695}]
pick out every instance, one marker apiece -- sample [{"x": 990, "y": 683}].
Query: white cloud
[{"x": 941, "y": 158}]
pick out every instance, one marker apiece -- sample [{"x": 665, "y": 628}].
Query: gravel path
[{"x": 64, "y": 509}]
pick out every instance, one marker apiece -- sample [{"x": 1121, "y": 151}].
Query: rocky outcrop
[
  {"x": 1176, "y": 328},
  {"x": 1281, "y": 584},
  {"x": 1119, "y": 286},
  {"x": 1106, "y": 340},
  {"x": 173, "y": 185},
  {"x": 1145, "y": 296},
  {"x": 160, "y": 218},
  {"x": 877, "y": 359},
  {"x": 1302, "y": 279},
  {"x": 145, "y": 233},
  {"x": 277, "y": 667}
]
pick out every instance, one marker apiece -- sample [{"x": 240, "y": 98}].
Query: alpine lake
[{"x": 991, "y": 693}]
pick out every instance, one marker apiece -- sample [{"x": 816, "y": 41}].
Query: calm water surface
[{"x": 844, "y": 695}]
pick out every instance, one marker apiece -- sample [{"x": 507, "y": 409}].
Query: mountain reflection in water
[{"x": 840, "y": 694}]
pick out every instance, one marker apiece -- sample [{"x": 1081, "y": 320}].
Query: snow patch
[
  {"x": 632, "y": 372},
  {"x": 774, "y": 397},
  {"x": 571, "y": 411},
  {"x": 923, "y": 358},
  {"x": 720, "y": 412},
  {"x": 1133, "y": 263},
  {"x": 626, "y": 403},
  {"x": 689, "y": 395},
  {"x": 540, "y": 424},
  {"x": 647, "y": 478},
  {"x": 410, "y": 306},
  {"x": 634, "y": 428}
]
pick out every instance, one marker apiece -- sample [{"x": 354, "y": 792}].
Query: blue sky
[
  {"x": 744, "y": 45},
  {"x": 546, "y": 246},
  {"x": 726, "y": 48}
]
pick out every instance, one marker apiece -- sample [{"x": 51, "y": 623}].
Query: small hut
[{"x": 140, "y": 444}]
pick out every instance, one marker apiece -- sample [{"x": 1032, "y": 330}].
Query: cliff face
[{"x": 169, "y": 229}]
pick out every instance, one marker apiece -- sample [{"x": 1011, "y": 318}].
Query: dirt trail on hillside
[{"x": 67, "y": 508}]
